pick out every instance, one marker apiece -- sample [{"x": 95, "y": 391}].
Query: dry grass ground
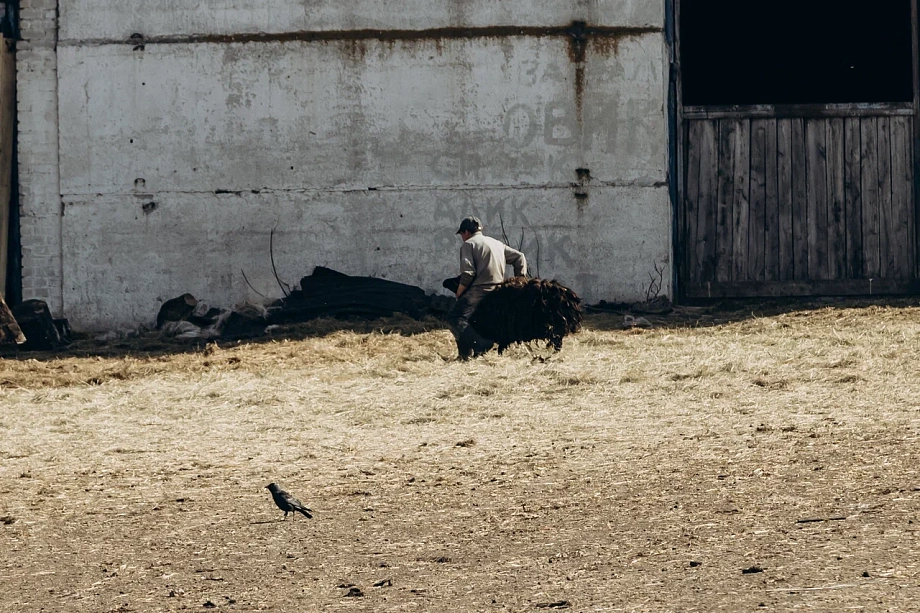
[{"x": 635, "y": 471}]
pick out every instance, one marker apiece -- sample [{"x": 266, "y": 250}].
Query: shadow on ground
[
  {"x": 719, "y": 313},
  {"x": 153, "y": 344},
  {"x": 603, "y": 317}
]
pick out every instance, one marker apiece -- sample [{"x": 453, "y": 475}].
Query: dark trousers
[{"x": 469, "y": 342}]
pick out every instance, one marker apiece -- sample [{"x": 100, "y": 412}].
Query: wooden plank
[
  {"x": 786, "y": 262},
  {"x": 915, "y": 124},
  {"x": 915, "y": 46},
  {"x": 680, "y": 237},
  {"x": 885, "y": 221},
  {"x": 790, "y": 111},
  {"x": 691, "y": 202},
  {"x": 678, "y": 275},
  {"x": 869, "y": 180},
  {"x": 706, "y": 212},
  {"x": 726, "y": 185},
  {"x": 816, "y": 198},
  {"x": 799, "y": 201},
  {"x": 913, "y": 163},
  {"x": 7, "y": 142},
  {"x": 901, "y": 241},
  {"x": 740, "y": 199},
  {"x": 758, "y": 200},
  {"x": 845, "y": 287},
  {"x": 836, "y": 197},
  {"x": 852, "y": 188},
  {"x": 771, "y": 204}
]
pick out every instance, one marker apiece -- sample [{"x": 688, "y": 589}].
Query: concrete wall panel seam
[{"x": 569, "y": 30}]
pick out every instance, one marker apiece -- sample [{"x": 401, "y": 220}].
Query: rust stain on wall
[
  {"x": 578, "y": 45},
  {"x": 605, "y": 41},
  {"x": 608, "y": 45},
  {"x": 358, "y": 49},
  {"x": 581, "y": 33}
]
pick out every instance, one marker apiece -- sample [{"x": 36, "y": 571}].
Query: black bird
[{"x": 286, "y": 502}]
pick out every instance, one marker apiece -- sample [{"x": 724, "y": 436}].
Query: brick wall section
[{"x": 39, "y": 182}]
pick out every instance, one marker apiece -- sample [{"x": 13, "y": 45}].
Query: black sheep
[{"x": 522, "y": 310}]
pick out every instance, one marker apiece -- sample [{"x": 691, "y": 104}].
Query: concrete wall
[
  {"x": 118, "y": 19},
  {"x": 178, "y": 156},
  {"x": 39, "y": 188}
]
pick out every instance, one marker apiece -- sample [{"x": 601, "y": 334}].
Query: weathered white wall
[
  {"x": 39, "y": 189},
  {"x": 200, "y": 242},
  {"x": 351, "y": 115},
  {"x": 177, "y": 159}
]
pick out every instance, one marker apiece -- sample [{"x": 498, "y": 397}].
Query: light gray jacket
[{"x": 483, "y": 260}]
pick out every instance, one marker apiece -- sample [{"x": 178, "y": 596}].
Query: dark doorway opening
[{"x": 795, "y": 52}]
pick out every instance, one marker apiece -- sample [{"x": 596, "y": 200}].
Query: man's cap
[{"x": 470, "y": 224}]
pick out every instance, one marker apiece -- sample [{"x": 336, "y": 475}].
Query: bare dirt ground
[{"x": 637, "y": 470}]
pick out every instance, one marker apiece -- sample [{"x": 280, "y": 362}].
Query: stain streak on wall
[{"x": 579, "y": 32}]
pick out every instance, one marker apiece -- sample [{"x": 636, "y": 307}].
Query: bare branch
[
  {"x": 520, "y": 246},
  {"x": 504, "y": 234},
  {"x": 271, "y": 253},
  {"x": 250, "y": 285},
  {"x": 655, "y": 286},
  {"x": 537, "y": 238}
]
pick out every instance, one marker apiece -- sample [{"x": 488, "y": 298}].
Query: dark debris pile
[{"x": 325, "y": 293}]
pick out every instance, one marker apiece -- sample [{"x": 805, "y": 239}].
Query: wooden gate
[
  {"x": 792, "y": 206},
  {"x": 797, "y": 199}
]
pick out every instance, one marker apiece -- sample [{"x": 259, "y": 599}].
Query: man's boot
[{"x": 475, "y": 342}]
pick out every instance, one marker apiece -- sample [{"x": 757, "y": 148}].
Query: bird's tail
[{"x": 306, "y": 512}]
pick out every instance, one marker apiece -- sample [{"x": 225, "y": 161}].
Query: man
[{"x": 482, "y": 269}]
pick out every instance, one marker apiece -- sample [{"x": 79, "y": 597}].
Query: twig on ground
[
  {"x": 812, "y": 520},
  {"x": 840, "y": 586}
]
